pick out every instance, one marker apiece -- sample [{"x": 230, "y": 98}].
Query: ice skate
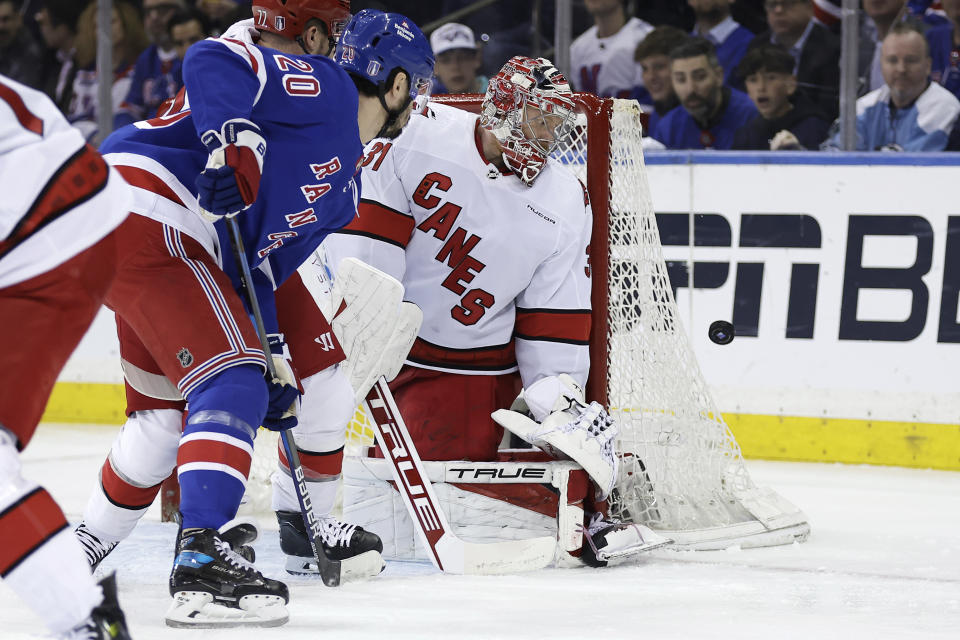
[
  {"x": 93, "y": 547},
  {"x": 213, "y": 586},
  {"x": 607, "y": 539},
  {"x": 106, "y": 621},
  {"x": 357, "y": 550}
]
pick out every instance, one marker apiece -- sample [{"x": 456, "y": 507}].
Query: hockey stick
[
  {"x": 329, "y": 569},
  {"x": 448, "y": 552}
]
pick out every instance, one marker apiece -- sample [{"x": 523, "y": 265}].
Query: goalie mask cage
[{"x": 681, "y": 470}]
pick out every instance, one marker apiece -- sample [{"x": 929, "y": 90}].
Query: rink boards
[{"x": 841, "y": 273}]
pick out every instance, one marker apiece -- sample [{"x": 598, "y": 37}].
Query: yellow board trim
[
  {"x": 903, "y": 444},
  {"x": 87, "y": 402}
]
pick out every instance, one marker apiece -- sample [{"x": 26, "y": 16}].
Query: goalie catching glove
[
  {"x": 231, "y": 179},
  {"x": 552, "y": 415},
  {"x": 284, "y": 390},
  {"x": 372, "y": 323}
]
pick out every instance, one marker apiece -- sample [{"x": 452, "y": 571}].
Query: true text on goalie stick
[{"x": 447, "y": 552}]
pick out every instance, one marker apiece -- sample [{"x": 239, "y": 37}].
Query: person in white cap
[{"x": 458, "y": 60}]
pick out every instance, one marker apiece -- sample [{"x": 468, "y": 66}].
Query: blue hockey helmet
[{"x": 375, "y": 43}]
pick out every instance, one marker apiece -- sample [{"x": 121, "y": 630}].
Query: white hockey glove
[
  {"x": 244, "y": 31},
  {"x": 284, "y": 403},
  {"x": 567, "y": 427},
  {"x": 231, "y": 179},
  {"x": 372, "y": 323}
]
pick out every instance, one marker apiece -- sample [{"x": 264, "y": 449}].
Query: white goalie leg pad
[
  {"x": 372, "y": 323},
  {"x": 371, "y": 502},
  {"x": 198, "y": 610},
  {"x": 572, "y": 429},
  {"x": 143, "y": 454}
]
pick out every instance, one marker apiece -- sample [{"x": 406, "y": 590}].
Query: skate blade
[
  {"x": 197, "y": 610},
  {"x": 360, "y": 567},
  {"x": 649, "y": 545}
]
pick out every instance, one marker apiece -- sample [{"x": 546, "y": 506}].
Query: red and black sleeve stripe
[
  {"x": 122, "y": 494},
  {"x": 495, "y": 358},
  {"x": 317, "y": 467},
  {"x": 77, "y": 180},
  {"x": 26, "y": 525},
  {"x": 571, "y": 326},
  {"x": 379, "y": 222}
]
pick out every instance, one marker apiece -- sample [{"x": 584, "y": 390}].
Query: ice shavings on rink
[{"x": 883, "y": 561}]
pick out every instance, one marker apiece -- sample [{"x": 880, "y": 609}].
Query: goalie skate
[
  {"x": 358, "y": 551},
  {"x": 214, "y": 587},
  {"x": 606, "y": 539}
]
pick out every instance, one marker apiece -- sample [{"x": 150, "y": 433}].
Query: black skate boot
[
  {"x": 213, "y": 586},
  {"x": 106, "y": 621},
  {"x": 357, "y": 550},
  {"x": 93, "y": 547}
]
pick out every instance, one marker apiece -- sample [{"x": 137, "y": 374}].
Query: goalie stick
[
  {"x": 330, "y": 570},
  {"x": 448, "y": 552}
]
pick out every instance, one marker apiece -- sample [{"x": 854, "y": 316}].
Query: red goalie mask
[{"x": 529, "y": 108}]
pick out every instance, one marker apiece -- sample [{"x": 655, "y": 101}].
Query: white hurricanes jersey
[
  {"x": 499, "y": 269},
  {"x": 605, "y": 66},
  {"x": 59, "y": 196}
]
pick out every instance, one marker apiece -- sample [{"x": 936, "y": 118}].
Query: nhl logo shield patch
[
  {"x": 373, "y": 68},
  {"x": 185, "y": 357},
  {"x": 279, "y": 22}
]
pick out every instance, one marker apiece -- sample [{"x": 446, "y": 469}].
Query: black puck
[{"x": 721, "y": 332}]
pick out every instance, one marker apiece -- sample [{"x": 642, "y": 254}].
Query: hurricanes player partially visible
[
  {"x": 490, "y": 238},
  {"x": 58, "y": 250}
]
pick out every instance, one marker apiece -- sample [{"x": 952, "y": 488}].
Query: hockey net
[{"x": 682, "y": 472}]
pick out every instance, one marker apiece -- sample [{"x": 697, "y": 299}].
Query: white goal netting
[{"x": 682, "y": 472}]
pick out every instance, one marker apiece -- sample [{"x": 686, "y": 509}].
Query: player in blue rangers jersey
[{"x": 273, "y": 136}]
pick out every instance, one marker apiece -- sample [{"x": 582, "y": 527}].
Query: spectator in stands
[
  {"x": 945, "y": 49},
  {"x": 20, "y": 55},
  {"x": 814, "y": 48},
  {"x": 601, "y": 58},
  {"x": 223, "y": 13},
  {"x": 128, "y": 41},
  {"x": 787, "y": 119},
  {"x": 157, "y": 68},
  {"x": 881, "y": 15},
  {"x": 186, "y": 28},
  {"x": 729, "y": 37},
  {"x": 908, "y": 113},
  {"x": 653, "y": 56},
  {"x": 57, "y": 20},
  {"x": 709, "y": 112},
  {"x": 458, "y": 60}
]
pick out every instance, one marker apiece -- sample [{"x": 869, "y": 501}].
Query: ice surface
[{"x": 883, "y": 561}]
